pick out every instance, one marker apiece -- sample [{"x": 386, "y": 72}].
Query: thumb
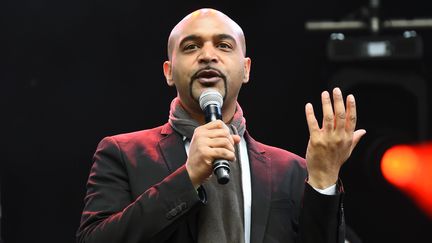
[{"x": 357, "y": 136}]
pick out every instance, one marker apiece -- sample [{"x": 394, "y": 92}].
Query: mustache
[{"x": 208, "y": 68}]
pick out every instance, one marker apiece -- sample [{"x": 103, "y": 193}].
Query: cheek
[
  {"x": 179, "y": 73},
  {"x": 181, "y": 79},
  {"x": 237, "y": 74},
  {"x": 238, "y": 67},
  {"x": 236, "y": 77}
]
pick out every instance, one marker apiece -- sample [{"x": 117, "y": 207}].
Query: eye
[
  {"x": 190, "y": 47},
  {"x": 224, "y": 46}
]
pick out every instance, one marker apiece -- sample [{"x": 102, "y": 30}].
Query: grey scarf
[
  {"x": 221, "y": 220},
  {"x": 180, "y": 120}
]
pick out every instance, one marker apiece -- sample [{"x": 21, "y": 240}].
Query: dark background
[{"x": 74, "y": 71}]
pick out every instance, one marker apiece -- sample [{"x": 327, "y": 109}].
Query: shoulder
[
  {"x": 276, "y": 152},
  {"x": 134, "y": 140},
  {"x": 153, "y": 134},
  {"x": 278, "y": 158},
  {"x": 288, "y": 170}
]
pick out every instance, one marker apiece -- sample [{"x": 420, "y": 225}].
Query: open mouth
[{"x": 208, "y": 76}]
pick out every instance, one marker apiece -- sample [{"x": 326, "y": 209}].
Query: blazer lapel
[
  {"x": 174, "y": 153},
  {"x": 261, "y": 189},
  {"x": 172, "y": 148}
]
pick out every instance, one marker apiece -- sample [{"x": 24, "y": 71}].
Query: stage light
[
  {"x": 408, "y": 46},
  {"x": 409, "y": 168},
  {"x": 399, "y": 165}
]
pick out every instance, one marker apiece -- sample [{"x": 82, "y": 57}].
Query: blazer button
[
  {"x": 183, "y": 206},
  {"x": 171, "y": 214}
]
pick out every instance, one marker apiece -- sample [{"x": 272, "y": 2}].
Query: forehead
[{"x": 206, "y": 23}]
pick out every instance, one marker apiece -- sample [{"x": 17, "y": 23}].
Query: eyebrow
[
  {"x": 189, "y": 38},
  {"x": 197, "y": 37}
]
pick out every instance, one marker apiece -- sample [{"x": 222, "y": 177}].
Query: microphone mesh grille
[{"x": 210, "y": 97}]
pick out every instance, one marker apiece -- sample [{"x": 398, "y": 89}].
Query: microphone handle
[{"x": 221, "y": 167}]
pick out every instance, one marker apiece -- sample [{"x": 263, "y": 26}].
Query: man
[{"x": 156, "y": 185}]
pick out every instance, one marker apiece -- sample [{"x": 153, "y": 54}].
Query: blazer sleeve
[
  {"x": 111, "y": 214},
  {"x": 322, "y": 217}
]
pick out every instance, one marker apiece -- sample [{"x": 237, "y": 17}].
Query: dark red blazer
[{"x": 139, "y": 191}]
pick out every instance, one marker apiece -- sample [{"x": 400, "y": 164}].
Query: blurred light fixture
[
  {"x": 341, "y": 47},
  {"x": 407, "y": 46},
  {"x": 409, "y": 168}
]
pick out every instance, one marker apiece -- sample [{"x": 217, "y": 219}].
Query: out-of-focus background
[{"x": 73, "y": 72}]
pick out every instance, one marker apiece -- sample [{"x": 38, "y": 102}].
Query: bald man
[{"x": 156, "y": 185}]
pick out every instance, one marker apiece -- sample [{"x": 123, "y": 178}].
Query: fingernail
[
  {"x": 325, "y": 94},
  {"x": 337, "y": 91}
]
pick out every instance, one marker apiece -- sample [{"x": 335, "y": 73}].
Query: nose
[{"x": 208, "y": 54}]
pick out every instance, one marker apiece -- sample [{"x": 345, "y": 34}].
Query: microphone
[{"x": 211, "y": 102}]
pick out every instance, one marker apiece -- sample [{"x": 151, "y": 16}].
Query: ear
[
  {"x": 168, "y": 73},
  {"x": 247, "y": 66}
]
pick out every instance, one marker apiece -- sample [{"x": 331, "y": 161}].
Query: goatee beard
[{"x": 195, "y": 78}]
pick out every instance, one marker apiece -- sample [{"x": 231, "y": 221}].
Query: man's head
[{"x": 206, "y": 49}]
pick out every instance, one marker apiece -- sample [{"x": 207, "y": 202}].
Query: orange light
[
  {"x": 409, "y": 168},
  {"x": 399, "y": 165}
]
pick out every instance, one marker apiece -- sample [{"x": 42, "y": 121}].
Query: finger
[
  {"x": 218, "y": 124},
  {"x": 311, "y": 120},
  {"x": 215, "y": 125},
  {"x": 351, "y": 116},
  {"x": 218, "y": 133},
  {"x": 221, "y": 143},
  {"x": 222, "y": 153},
  {"x": 339, "y": 110},
  {"x": 328, "y": 116},
  {"x": 357, "y": 136},
  {"x": 236, "y": 139}
]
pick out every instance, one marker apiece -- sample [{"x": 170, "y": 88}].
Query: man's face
[{"x": 207, "y": 52}]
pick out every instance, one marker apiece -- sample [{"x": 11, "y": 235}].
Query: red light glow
[{"x": 409, "y": 168}]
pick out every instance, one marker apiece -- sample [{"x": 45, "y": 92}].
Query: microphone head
[{"x": 210, "y": 97}]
